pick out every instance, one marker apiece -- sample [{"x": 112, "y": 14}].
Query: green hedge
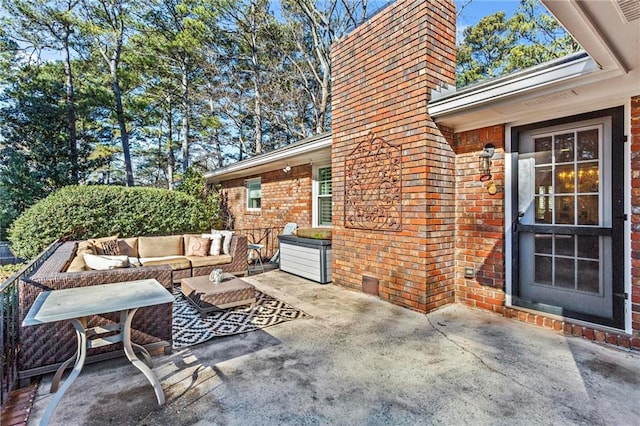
[
  {"x": 8, "y": 270},
  {"x": 81, "y": 212}
]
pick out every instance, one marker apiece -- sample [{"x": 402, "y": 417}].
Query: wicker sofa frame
[{"x": 151, "y": 326}]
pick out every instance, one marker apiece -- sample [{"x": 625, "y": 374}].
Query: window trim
[
  {"x": 315, "y": 204},
  {"x": 247, "y": 183}
]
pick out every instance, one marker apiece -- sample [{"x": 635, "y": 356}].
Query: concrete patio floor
[{"x": 358, "y": 360}]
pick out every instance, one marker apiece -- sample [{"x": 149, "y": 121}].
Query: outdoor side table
[
  {"x": 257, "y": 248},
  {"x": 76, "y": 304}
]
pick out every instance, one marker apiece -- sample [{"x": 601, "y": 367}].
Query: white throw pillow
[
  {"x": 216, "y": 245},
  {"x": 226, "y": 239},
  {"x": 103, "y": 262}
]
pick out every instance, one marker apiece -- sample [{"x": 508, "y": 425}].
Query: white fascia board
[
  {"x": 575, "y": 19},
  {"x": 282, "y": 154},
  {"x": 501, "y": 88}
]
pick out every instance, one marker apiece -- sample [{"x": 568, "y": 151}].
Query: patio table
[{"x": 77, "y": 304}]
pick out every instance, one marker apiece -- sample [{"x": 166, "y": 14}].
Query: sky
[
  {"x": 472, "y": 12},
  {"x": 477, "y": 9}
]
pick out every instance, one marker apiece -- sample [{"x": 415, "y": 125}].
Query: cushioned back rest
[
  {"x": 315, "y": 233},
  {"x": 170, "y": 245},
  {"x": 128, "y": 246},
  {"x": 78, "y": 264},
  {"x": 185, "y": 241}
]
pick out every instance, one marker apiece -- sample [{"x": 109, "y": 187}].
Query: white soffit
[
  {"x": 598, "y": 90},
  {"x": 316, "y": 149},
  {"x": 608, "y": 29}
]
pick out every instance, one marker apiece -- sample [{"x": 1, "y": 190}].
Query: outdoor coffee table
[
  {"x": 77, "y": 304},
  {"x": 207, "y": 296}
]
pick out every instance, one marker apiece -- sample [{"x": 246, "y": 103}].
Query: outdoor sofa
[{"x": 166, "y": 258}]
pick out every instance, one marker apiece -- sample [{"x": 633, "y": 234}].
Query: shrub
[
  {"x": 8, "y": 270},
  {"x": 81, "y": 212},
  {"x": 194, "y": 183}
]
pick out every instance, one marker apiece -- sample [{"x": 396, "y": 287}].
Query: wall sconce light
[
  {"x": 287, "y": 169},
  {"x": 485, "y": 161}
]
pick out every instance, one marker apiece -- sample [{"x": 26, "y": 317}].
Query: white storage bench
[{"x": 306, "y": 257}]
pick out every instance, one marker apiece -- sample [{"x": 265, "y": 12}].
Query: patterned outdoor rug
[{"x": 190, "y": 329}]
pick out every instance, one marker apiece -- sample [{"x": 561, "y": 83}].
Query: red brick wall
[
  {"x": 480, "y": 221},
  {"x": 286, "y": 197},
  {"x": 480, "y": 236},
  {"x": 635, "y": 218},
  {"x": 383, "y": 73}
]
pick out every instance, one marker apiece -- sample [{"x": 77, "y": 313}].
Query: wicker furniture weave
[
  {"x": 207, "y": 296},
  {"x": 238, "y": 265},
  {"x": 152, "y": 326}
]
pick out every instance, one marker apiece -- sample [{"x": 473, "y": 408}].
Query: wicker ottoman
[{"x": 207, "y": 296}]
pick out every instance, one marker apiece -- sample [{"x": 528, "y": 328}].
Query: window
[
  {"x": 254, "y": 194},
  {"x": 322, "y": 207}
]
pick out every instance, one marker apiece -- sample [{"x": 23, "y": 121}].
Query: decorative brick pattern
[
  {"x": 286, "y": 197},
  {"x": 383, "y": 73}
]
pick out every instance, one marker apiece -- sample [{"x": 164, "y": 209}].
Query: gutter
[
  {"x": 302, "y": 147},
  {"x": 575, "y": 65}
]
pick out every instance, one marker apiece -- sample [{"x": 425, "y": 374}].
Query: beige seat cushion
[
  {"x": 315, "y": 233},
  {"x": 197, "y": 261},
  {"x": 176, "y": 262},
  {"x": 169, "y": 245}
]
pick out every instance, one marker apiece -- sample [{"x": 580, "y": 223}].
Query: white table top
[{"x": 80, "y": 302}]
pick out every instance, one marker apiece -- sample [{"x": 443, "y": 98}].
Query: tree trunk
[
  {"x": 186, "y": 112},
  {"x": 122, "y": 124},
  {"x": 257, "y": 110},
  {"x": 171, "y": 158},
  {"x": 71, "y": 108},
  {"x": 324, "y": 101},
  {"x": 257, "y": 107},
  {"x": 215, "y": 137}
]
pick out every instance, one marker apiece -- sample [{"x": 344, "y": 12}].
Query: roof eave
[
  {"x": 536, "y": 78},
  {"x": 254, "y": 164}
]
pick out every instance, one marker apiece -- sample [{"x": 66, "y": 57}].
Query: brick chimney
[{"x": 393, "y": 170}]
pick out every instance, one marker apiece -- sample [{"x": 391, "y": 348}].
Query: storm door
[{"x": 569, "y": 228}]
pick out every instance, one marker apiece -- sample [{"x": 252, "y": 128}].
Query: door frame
[{"x": 618, "y": 178}]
